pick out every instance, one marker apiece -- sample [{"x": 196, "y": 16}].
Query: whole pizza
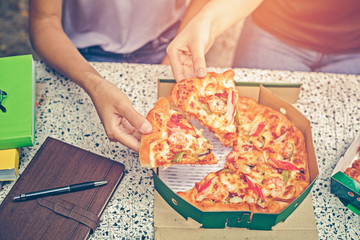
[{"x": 268, "y": 166}]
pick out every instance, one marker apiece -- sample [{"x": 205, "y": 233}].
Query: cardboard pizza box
[
  {"x": 169, "y": 224},
  {"x": 346, "y": 188},
  {"x": 168, "y": 182}
]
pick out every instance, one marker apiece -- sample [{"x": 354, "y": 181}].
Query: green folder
[{"x": 17, "y": 79}]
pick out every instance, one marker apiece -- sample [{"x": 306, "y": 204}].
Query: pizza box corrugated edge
[
  {"x": 343, "y": 186},
  {"x": 241, "y": 219}
]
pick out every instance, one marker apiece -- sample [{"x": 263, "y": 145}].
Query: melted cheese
[
  {"x": 230, "y": 181},
  {"x": 159, "y": 151}
]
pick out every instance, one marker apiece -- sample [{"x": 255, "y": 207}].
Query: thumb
[{"x": 138, "y": 121}]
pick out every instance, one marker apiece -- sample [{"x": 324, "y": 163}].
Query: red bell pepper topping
[
  {"x": 171, "y": 125},
  {"x": 231, "y": 163},
  {"x": 222, "y": 95},
  {"x": 260, "y": 127},
  {"x": 260, "y": 193},
  {"x": 247, "y": 147},
  {"x": 233, "y": 97},
  {"x": 233, "y": 102},
  {"x": 202, "y": 99},
  {"x": 250, "y": 182},
  {"x": 231, "y": 107},
  {"x": 176, "y": 117},
  {"x": 205, "y": 185},
  {"x": 255, "y": 187},
  {"x": 284, "y": 165},
  {"x": 231, "y": 160}
]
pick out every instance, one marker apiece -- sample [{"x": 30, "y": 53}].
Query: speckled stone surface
[{"x": 329, "y": 101}]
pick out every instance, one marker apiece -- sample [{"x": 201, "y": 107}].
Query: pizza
[
  {"x": 268, "y": 165},
  {"x": 174, "y": 140},
  {"x": 354, "y": 170},
  {"x": 210, "y": 100},
  {"x": 266, "y": 170}
]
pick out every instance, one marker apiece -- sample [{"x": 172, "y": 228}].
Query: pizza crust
[
  {"x": 209, "y": 206},
  {"x": 161, "y": 107}
]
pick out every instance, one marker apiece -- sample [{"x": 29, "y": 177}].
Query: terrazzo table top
[{"x": 329, "y": 101}]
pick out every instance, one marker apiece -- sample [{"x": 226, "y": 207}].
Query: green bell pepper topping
[
  {"x": 227, "y": 170},
  {"x": 207, "y": 151},
  {"x": 206, "y": 108},
  {"x": 237, "y": 116},
  {"x": 285, "y": 174},
  {"x": 178, "y": 157}
]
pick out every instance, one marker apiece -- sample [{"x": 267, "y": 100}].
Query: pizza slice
[
  {"x": 259, "y": 125},
  {"x": 228, "y": 190},
  {"x": 223, "y": 190},
  {"x": 354, "y": 170},
  {"x": 248, "y": 182},
  {"x": 270, "y": 132},
  {"x": 246, "y": 111},
  {"x": 174, "y": 140},
  {"x": 210, "y": 100},
  {"x": 275, "y": 180}
]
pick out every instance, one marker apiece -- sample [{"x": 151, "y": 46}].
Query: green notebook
[{"x": 18, "y": 81}]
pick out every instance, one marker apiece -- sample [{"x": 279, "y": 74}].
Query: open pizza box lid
[
  {"x": 346, "y": 188},
  {"x": 181, "y": 178}
]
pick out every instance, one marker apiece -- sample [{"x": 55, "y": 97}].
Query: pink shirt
[{"x": 118, "y": 26}]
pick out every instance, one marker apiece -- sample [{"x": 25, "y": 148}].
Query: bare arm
[
  {"x": 54, "y": 47},
  {"x": 52, "y": 44},
  {"x": 192, "y": 10},
  {"x": 187, "y": 51}
]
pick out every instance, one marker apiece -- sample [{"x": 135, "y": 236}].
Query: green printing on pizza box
[
  {"x": 347, "y": 189},
  {"x": 343, "y": 186},
  {"x": 244, "y": 219}
]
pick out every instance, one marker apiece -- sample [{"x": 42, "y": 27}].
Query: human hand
[
  {"x": 203, "y": 22},
  {"x": 121, "y": 121},
  {"x": 187, "y": 51}
]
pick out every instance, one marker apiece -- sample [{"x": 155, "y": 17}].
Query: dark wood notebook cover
[{"x": 58, "y": 164}]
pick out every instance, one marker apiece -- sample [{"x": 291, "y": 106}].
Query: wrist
[
  {"x": 212, "y": 18},
  {"x": 92, "y": 82}
]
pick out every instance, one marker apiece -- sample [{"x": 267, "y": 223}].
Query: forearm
[
  {"x": 192, "y": 10},
  {"x": 186, "y": 52},
  {"x": 55, "y": 48},
  {"x": 222, "y": 14}
]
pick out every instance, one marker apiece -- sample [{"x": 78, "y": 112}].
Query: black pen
[{"x": 59, "y": 190}]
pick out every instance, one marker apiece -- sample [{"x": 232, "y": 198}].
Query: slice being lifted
[
  {"x": 174, "y": 140},
  {"x": 210, "y": 100}
]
